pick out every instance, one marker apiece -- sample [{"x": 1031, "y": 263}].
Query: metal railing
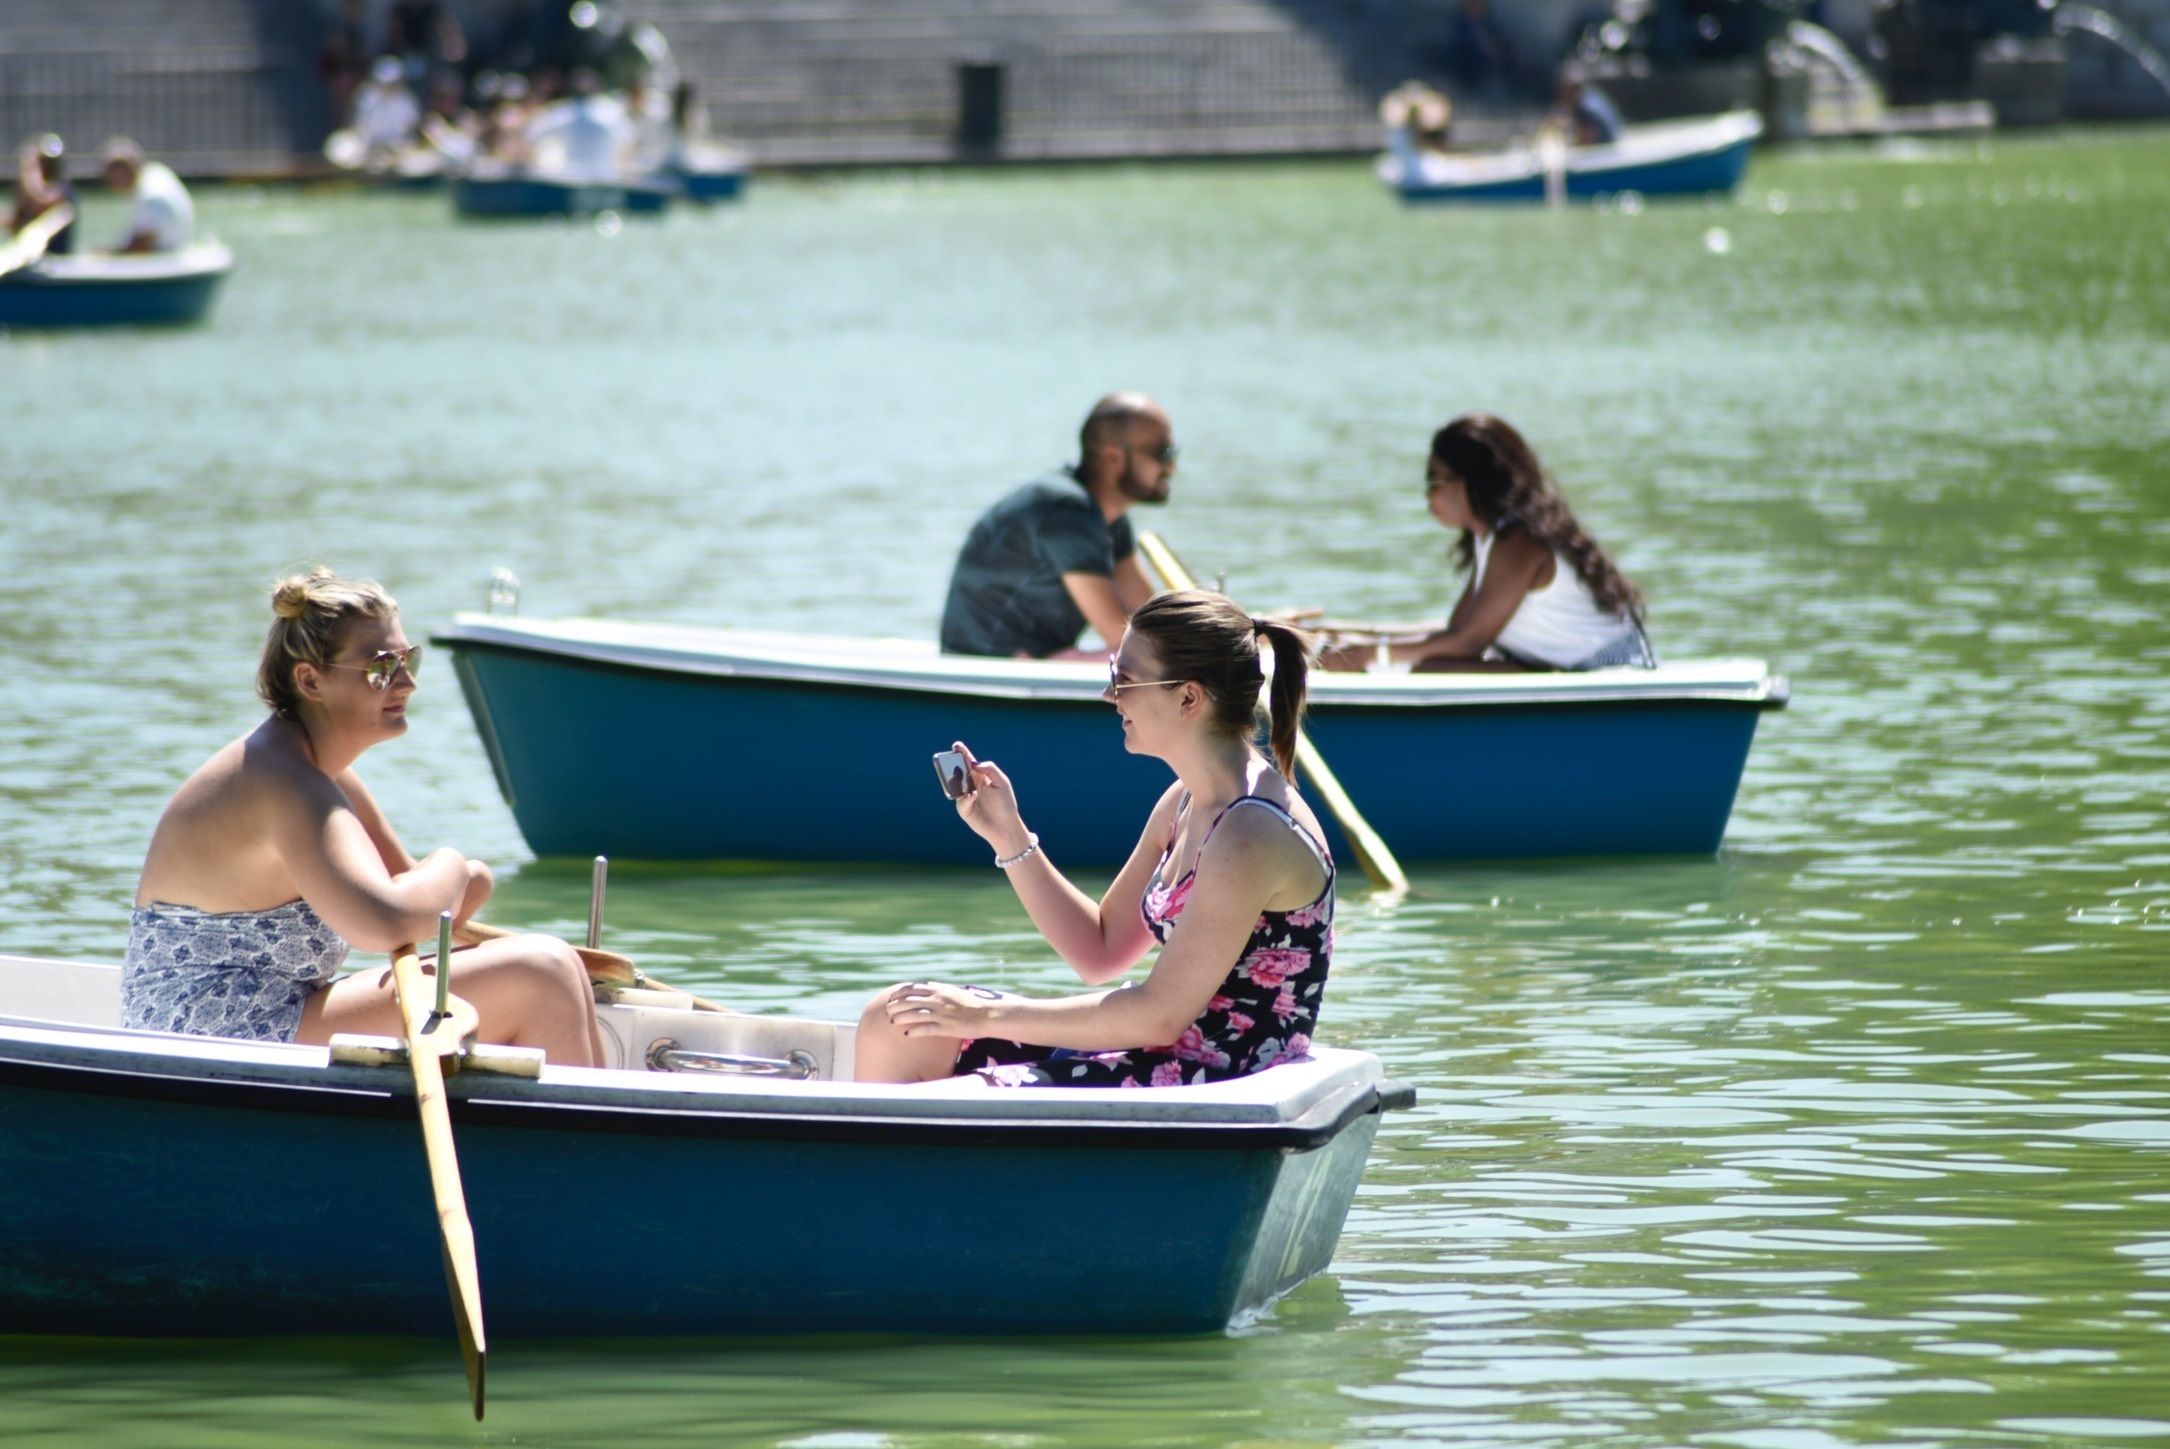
[{"x": 203, "y": 112}]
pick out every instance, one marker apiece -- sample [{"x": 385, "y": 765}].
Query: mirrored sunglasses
[{"x": 383, "y": 666}]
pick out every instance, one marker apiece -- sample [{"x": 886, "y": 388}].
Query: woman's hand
[
  {"x": 479, "y": 885},
  {"x": 990, "y": 806},
  {"x": 929, "y": 1008}
]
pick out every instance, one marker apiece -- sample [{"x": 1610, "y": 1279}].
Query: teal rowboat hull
[
  {"x": 177, "y": 1186},
  {"x": 669, "y": 743}
]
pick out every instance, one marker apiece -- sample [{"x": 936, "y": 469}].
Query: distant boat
[
  {"x": 709, "y": 173},
  {"x": 512, "y": 194},
  {"x": 721, "y": 1174},
  {"x": 664, "y": 742},
  {"x": 1673, "y": 158},
  {"x": 95, "y": 289}
]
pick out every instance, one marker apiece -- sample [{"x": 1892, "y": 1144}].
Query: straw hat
[{"x": 1417, "y": 106}]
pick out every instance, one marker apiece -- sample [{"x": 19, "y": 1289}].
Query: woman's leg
[
  {"x": 882, "y": 1053},
  {"x": 528, "y": 991}
]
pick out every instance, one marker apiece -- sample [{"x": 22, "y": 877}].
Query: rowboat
[
  {"x": 709, "y": 173},
  {"x": 670, "y": 742},
  {"x": 516, "y": 194},
  {"x": 722, "y": 1175},
  {"x": 1694, "y": 157},
  {"x": 98, "y": 290}
]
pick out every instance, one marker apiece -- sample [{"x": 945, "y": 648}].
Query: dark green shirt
[{"x": 1006, "y": 595}]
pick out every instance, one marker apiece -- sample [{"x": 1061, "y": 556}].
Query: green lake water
[{"x": 1856, "y": 1134}]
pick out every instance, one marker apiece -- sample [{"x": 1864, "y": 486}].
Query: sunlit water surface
[{"x": 1856, "y": 1134}]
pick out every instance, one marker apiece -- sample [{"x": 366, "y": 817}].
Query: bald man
[{"x": 1058, "y": 554}]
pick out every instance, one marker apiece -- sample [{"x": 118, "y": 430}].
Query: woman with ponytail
[
  {"x": 1541, "y": 593},
  {"x": 273, "y": 859},
  {"x": 1230, "y": 879}
]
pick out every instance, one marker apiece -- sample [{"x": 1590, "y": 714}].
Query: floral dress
[{"x": 1264, "y": 1012}]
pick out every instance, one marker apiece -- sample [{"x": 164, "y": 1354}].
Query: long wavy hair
[{"x": 1510, "y": 491}]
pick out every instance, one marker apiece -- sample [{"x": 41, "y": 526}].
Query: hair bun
[{"x": 290, "y": 596}]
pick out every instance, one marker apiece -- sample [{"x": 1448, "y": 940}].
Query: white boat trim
[
  {"x": 201, "y": 259},
  {"x": 919, "y": 666}
]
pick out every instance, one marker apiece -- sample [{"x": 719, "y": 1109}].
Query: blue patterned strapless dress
[{"x": 243, "y": 974}]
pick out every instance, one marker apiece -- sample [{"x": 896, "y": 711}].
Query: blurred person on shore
[
  {"x": 585, "y": 137},
  {"x": 342, "y": 61},
  {"x": 1059, "y": 553},
  {"x": 386, "y": 115},
  {"x": 426, "y": 37},
  {"x": 1478, "y": 53},
  {"x": 505, "y": 118},
  {"x": 161, "y": 216},
  {"x": 1541, "y": 594},
  {"x": 41, "y": 183},
  {"x": 448, "y": 125}
]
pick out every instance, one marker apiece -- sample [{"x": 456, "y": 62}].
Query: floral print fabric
[
  {"x": 245, "y": 974},
  {"x": 1264, "y": 1012}
]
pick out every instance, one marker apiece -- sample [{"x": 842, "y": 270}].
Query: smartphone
[{"x": 956, "y": 777}]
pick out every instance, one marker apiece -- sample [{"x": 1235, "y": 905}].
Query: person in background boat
[
  {"x": 1059, "y": 553},
  {"x": 1541, "y": 593},
  {"x": 161, "y": 216},
  {"x": 452, "y": 130},
  {"x": 1230, "y": 879},
  {"x": 1584, "y": 113},
  {"x": 1417, "y": 119},
  {"x": 585, "y": 137},
  {"x": 274, "y": 858},
  {"x": 386, "y": 114},
  {"x": 648, "y": 112},
  {"x": 41, "y": 183},
  {"x": 505, "y": 121}
]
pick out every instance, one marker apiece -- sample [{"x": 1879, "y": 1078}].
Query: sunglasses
[
  {"x": 384, "y": 665},
  {"x": 1165, "y": 454},
  {"x": 1117, "y": 684}
]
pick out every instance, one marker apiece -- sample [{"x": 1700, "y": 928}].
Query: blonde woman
[{"x": 273, "y": 860}]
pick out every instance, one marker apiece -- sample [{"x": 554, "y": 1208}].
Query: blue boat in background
[
  {"x": 500, "y": 195},
  {"x": 95, "y": 290},
  {"x": 653, "y": 741},
  {"x": 722, "y": 1176},
  {"x": 708, "y": 173},
  {"x": 1699, "y": 157}
]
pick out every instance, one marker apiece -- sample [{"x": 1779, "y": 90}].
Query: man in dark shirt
[
  {"x": 1059, "y": 553},
  {"x": 41, "y": 184}
]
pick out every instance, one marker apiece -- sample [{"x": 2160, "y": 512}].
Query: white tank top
[{"x": 1559, "y": 624}]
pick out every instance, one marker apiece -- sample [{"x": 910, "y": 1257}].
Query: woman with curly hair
[{"x": 1541, "y": 593}]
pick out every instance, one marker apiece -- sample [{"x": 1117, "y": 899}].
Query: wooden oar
[
  {"x": 1372, "y": 854},
  {"x": 27, "y": 247},
  {"x": 433, "y": 1039},
  {"x": 606, "y": 967}
]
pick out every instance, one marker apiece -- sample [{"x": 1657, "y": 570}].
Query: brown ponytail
[{"x": 1204, "y": 637}]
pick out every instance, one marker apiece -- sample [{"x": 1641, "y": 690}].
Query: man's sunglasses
[
  {"x": 1165, "y": 454},
  {"x": 384, "y": 665}
]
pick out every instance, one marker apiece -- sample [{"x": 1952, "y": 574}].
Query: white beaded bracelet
[{"x": 1032, "y": 843}]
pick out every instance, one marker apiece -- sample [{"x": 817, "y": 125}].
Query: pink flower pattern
[{"x": 1263, "y": 1013}]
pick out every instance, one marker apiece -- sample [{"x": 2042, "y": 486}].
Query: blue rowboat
[
  {"x": 166, "y": 1186},
  {"x": 1678, "y": 158},
  {"x": 651, "y": 741},
  {"x": 709, "y": 173},
  {"x": 98, "y": 290},
  {"x": 519, "y": 194}
]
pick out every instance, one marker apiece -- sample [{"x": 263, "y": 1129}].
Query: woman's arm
[
  {"x": 1519, "y": 563},
  {"x": 1100, "y": 939},
  {"x": 1251, "y": 860},
  {"x": 480, "y": 883},
  {"x": 337, "y": 865}
]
